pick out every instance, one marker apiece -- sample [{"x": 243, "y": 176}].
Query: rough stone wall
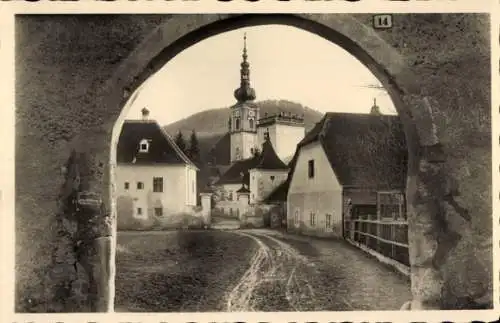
[
  {"x": 451, "y": 58},
  {"x": 73, "y": 74},
  {"x": 61, "y": 62}
]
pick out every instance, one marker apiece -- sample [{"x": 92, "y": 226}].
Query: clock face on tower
[
  {"x": 251, "y": 113},
  {"x": 236, "y": 113}
]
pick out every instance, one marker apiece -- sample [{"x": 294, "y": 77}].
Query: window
[
  {"x": 328, "y": 222},
  {"x": 296, "y": 216},
  {"x": 143, "y": 146},
  {"x": 312, "y": 219},
  {"x": 237, "y": 124},
  {"x": 272, "y": 178},
  {"x": 390, "y": 205},
  {"x": 158, "y": 211},
  {"x": 140, "y": 185},
  {"x": 158, "y": 184},
  {"x": 230, "y": 195},
  {"x": 311, "y": 168},
  {"x": 139, "y": 211},
  {"x": 127, "y": 185},
  {"x": 250, "y": 121}
]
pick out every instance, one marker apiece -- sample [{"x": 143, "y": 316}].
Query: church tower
[
  {"x": 375, "y": 108},
  {"x": 244, "y": 115}
]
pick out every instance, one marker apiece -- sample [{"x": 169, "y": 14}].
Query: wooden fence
[{"x": 386, "y": 232}]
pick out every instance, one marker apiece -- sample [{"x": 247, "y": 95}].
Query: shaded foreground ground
[
  {"x": 178, "y": 271},
  {"x": 250, "y": 270}
]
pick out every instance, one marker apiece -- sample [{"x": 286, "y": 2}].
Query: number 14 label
[{"x": 382, "y": 21}]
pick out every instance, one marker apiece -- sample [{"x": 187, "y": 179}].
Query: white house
[
  {"x": 154, "y": 178},
  {"x": 343, "y": 163}
]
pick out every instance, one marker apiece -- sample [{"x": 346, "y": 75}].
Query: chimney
[{"x": 145, "y": 114}]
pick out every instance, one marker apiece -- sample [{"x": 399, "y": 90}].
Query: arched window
[
  {"x": 144, "y": 146},
  {"x": 237, "y": 124},
  {"x": 251, "y": 123}
]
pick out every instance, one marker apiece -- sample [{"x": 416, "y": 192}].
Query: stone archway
[
  {"x": 383, "y": 60},
  {"x": 432, "y": 178}
]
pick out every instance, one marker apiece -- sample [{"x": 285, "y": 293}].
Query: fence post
[
  {"x": 393, "y": 233},
  {"x": 378, "y": 223}
]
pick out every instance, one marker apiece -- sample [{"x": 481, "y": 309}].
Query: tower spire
[
  {"x": 375, "y": 108},
  {"x": 245, "y": 92}
]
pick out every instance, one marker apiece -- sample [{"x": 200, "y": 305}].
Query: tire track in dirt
[
  {"x": 275, "y": 280},
  {"x": 298, "y": 291},
  {"x": 239, "y": 298}
]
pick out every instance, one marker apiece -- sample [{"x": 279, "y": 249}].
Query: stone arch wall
[{"x": 401, "y": 58}]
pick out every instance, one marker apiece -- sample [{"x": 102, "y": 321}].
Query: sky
[{"x": 285, "y": 63}]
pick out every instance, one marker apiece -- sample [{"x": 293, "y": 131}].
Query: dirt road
[
  {"x": 250, "y": 270},
  {"x": 290, "y": 273}
]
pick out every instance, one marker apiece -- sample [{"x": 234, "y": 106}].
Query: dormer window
[{"x": 143, "y": 146}]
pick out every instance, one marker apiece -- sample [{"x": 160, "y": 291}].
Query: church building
[{"x": 251, "y": 155}]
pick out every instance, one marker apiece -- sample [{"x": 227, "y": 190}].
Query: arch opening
[{"x": 189, "y": 39}]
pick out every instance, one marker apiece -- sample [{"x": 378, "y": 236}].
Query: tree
[
  {"x": 194, "y": 148},
  {"x": 180, "y": 142}
]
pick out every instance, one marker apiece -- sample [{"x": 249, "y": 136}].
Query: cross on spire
[{"x": 245, "y": 56}]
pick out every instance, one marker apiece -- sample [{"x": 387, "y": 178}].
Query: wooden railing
[{"x": 388, "y": 237}]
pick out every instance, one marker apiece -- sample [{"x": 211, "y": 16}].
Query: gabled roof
[
  {"x": 364, "y": 150},
  {"x": 162, "y": 148},
  {"x": 267, "y": 160},
  {"x": 243, "y": 189}
]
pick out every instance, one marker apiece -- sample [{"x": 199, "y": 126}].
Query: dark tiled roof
[
  {"x": 267, "y": 160},
  {"x": 243, "y": 189},
  {"x": 220, "y": 154},
  {"x": 364, "y": 150},
  {"x": 238, "y": 172},
  {"x": 162, "y": 148},
  {"x": 206, "y": 189}
]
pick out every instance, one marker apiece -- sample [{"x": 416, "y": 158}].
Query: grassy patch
[{"x": 178, "y": 271}]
